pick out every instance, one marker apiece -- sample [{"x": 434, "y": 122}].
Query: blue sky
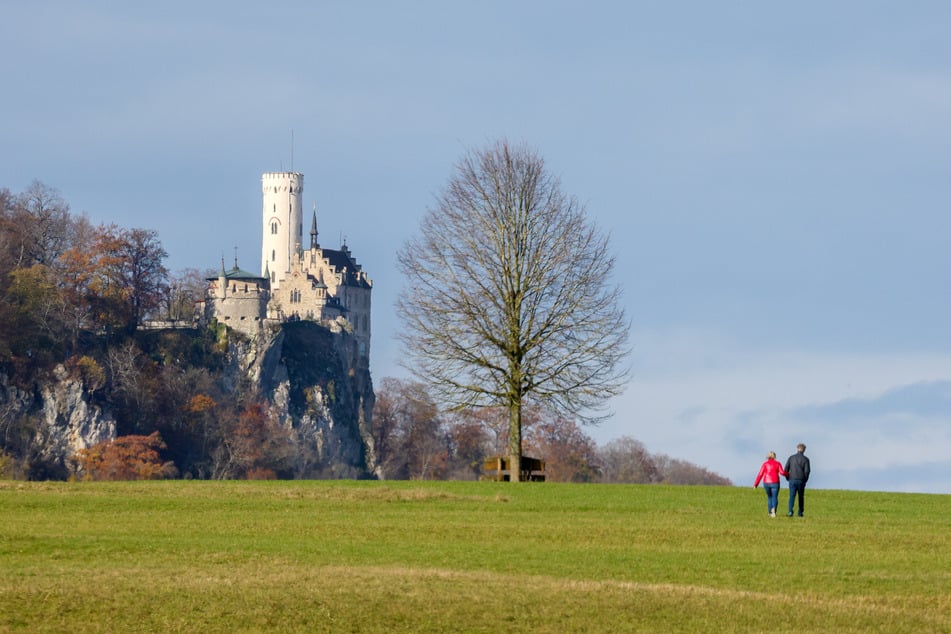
[{"x": 775, "y": 179}]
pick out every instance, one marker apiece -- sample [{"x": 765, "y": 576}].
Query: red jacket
[{"x": 769, "y": 473}]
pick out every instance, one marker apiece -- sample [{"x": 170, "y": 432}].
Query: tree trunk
[
  {"x": 515, "y": 467},
  {"x": 515, "y": 442}
]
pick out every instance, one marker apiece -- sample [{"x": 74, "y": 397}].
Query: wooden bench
[{"x": 499, "y": 469}]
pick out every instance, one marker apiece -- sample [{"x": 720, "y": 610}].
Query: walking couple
[{"x": 796, "y": 473}]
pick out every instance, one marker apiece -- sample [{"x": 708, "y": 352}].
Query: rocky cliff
[
  {"x": 313, "y": 382},
  {"x": 320, "y": 387},
  {"x": 51, "y": 422}
]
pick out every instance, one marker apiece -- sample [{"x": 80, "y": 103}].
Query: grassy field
[{"x": 466, "y": 557}]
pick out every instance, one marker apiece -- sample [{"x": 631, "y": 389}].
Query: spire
[
  {"x": 222, "y": 291},
  {"x": 313, "y": 230}
]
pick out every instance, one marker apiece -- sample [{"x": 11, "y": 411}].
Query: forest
[{"x": 74, "y": 297}]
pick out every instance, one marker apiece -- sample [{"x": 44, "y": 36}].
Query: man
[{"x": 797, "y": 474}]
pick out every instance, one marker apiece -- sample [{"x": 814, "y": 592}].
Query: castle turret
[
  {"x": 222, "y": 282},
  {"x": 283, "y": 223}
]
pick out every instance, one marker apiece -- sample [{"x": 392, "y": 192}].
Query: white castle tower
[{"x": 283, "y": 224}]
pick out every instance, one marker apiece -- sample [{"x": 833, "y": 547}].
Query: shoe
[
  {"x": 789, "y": 514},
  {"x": 772, "y": 513}
]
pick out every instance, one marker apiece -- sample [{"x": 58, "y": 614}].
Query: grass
[{"x": 466, "y": 557}]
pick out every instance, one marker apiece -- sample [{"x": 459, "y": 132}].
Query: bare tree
[
  {"x": 143, "y": 273},
  {"x": 570, "y": 454},
  {"x": 676, "y": 471},
  {"x": 627, "y": 460},
  {"x": 183, "y": 290},
  {"x": 509, "y": 295},
  {"x": 408, "y": 434},
  {"x": 43, "y": 225}
]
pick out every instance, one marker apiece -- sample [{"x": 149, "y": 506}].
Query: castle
[{"x": 316, "y": 284}]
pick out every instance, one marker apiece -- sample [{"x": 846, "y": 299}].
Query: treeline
[
  {"x": 414, "y": 440},
  {"x": 63, "y": 278}
]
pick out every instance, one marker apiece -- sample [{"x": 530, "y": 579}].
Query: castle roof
[
  {"x": 342, "y": 261},
  {"x": 239, "y": 275}
]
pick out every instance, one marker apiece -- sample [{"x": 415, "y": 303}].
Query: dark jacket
[{"x": 797, "y": 467}]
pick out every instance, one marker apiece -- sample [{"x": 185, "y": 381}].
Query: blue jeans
[
  {"x": 797, "y": 488},
  {"x": 772, "y": 496}
]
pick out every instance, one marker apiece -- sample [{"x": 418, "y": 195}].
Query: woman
[{"x": 769, "y": 473}]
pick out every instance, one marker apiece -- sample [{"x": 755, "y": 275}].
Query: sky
[{"x": 775, "y": 180}]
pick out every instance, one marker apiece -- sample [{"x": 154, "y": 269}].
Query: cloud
[
  {"x": 926, "y": 399},
  {"x": 924, "y": 477}
]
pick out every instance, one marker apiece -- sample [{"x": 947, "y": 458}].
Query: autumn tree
[
  {"x": 125, "y": 458},
  {"x": 35, "y": 228},
  {"x": 253, "y": 446},
  {"x": 32, "y": 333},
  {"x": 509, "y": 295},
  {"x": 9, "y": 247},
  {"x": 131, "y": 277}
]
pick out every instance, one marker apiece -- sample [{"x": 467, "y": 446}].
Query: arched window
[{"x": 273, "y": 228}]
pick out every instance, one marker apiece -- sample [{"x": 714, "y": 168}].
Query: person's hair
[
  {"x": 771, "y": 454},
  {"x": 801, "y": 447}
]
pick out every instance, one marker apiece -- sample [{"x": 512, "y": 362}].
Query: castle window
[
  {"x": 273, "y": 255},
  {"x": 273, "y": 228}
]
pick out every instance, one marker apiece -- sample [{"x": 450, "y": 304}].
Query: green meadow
[{"x": 178, "y": 556}]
